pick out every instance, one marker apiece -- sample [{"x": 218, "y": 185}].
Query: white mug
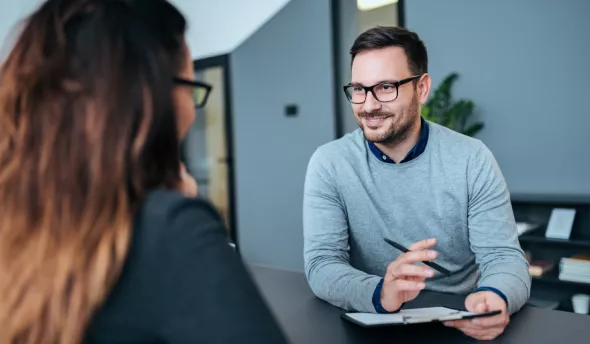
[{"x": 581, "y": 303}]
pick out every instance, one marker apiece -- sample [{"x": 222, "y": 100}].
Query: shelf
[
  {"x": 540, "y": 238},
  {"x": 550, "y": 199},
  {"x": 553, "y": 278}
]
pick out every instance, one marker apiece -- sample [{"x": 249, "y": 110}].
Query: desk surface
[{"x": 307, "y": 319}]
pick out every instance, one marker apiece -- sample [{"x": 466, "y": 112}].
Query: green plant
[{"x": 456, "y": 115}]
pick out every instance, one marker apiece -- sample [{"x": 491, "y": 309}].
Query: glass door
[{"x": 207, "y": 146}]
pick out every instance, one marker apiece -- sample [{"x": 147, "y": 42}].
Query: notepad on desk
[{"x": 412, "y": 316}]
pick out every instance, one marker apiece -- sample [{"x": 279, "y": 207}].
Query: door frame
[{"x": 223, "y": 62}]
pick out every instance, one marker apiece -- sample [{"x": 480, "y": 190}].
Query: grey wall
[
  {"x": 289, "y": 60},
  {"x": 525, "y": 64}
]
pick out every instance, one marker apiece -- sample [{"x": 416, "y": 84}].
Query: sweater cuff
[
  {"x": 377, "y": 300},
  {"x": 493, "y": 290}
]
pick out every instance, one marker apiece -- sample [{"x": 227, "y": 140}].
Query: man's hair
[{"x": 391, "y": 36}]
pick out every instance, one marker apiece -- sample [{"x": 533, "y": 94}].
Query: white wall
[
  {"x": 215, "y": 26},
  {"x": 219, "y": 26}
]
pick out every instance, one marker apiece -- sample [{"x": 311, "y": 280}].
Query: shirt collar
[{"x": 415, "y": 152}]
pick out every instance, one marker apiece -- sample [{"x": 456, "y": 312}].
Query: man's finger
[
  {"x": 482, "y": 334},
  {"x": 460, "y": 324},
  {"x": 473, "y": 301},
  {"x": 496, "y": 320},
  {"x": 415, "y": 278},
  {"x": 465, "y": 324},
  {"x": 404, "y": 270},
  {"x": 422, "y": 244},
  {"x": 471, "y": 324},
  {"x": 418, "y": 256},
  {"x": 404, "y": 285},
  {"x": 481, "y": 307}
]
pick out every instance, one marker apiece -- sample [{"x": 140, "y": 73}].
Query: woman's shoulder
[
  {"x": 164, "y": 213},
  {"x": 166, "y": 206}
]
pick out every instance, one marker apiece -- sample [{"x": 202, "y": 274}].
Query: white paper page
[{"x": 419, "y": 314}]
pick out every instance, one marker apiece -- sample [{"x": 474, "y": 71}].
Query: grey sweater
[{"x": 454, "y": 191}]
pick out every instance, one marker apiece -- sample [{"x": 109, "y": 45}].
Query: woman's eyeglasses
[{"x": 201, "y": 90}]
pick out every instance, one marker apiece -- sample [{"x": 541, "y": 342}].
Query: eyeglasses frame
[
  {"x": 194, "y": 83},
  {"x": 368, "y": 89}
]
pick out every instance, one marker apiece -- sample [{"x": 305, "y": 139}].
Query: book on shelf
[
  {"x": 575, "y": 268},
  {"x": 539, "y": 267}
]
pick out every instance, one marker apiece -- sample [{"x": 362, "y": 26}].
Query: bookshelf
[
  {"x": 551, "y": 277},
  {"x": 538, "y": 237},
  {"x": 537, "y": 209}
]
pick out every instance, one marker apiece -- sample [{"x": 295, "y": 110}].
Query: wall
[
  {"x": 525, "y": 65},
  {"x": 287, "y": 61},
  {"x": 219, "y": 26}
]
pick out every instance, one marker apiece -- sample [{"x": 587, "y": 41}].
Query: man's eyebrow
[{"x": 380, "y": 82}]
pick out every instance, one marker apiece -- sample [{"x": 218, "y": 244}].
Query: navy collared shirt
[{"x": 418, "y": 148}]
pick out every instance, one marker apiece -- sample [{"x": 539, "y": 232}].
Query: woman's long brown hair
[{"x": 87, "y": 128}]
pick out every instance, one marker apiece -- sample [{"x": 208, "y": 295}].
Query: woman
[{"x": 95, "y": 243}]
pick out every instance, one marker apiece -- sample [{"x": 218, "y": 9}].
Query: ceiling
[{"x": 219, "y": 26}]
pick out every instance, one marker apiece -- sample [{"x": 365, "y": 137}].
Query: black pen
[{"x": 431, "y": 264}]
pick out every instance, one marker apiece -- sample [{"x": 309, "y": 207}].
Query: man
[{"x": 436, "y": 191}]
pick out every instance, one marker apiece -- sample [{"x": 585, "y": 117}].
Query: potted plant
[{"x": 456, "y": 115}]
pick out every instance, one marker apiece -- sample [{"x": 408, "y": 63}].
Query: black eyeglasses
[
  {"x": 383, "y": 91},
  {"x": 201, "y": 90}
]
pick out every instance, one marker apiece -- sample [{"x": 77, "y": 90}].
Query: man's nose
[{"x": 371, "y": 104}]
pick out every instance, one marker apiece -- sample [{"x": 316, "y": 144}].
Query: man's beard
[{"x": 400, "y": 127}]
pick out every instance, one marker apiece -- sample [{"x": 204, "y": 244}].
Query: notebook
[{"x": 412, "y": 316}]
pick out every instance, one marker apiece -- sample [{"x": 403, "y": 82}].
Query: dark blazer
[{"x": 182, "y": 283}]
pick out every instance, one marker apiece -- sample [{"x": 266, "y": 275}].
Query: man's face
[{"x": 386, "y": 122}]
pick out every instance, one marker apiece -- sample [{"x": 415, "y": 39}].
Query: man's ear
[{"x": 424, "y": 85}]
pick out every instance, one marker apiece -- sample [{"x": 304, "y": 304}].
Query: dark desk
[{"x": 306, "y": 319}]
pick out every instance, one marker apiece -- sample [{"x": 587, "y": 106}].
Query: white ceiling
[
  {"x": 11, "y": 13},
  {"x": 219, "y": 26},
  {"x": 215, "y": 26}
]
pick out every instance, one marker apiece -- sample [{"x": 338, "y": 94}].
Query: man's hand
[
  {"x": 486, "y": 328},
  {"x": 188, "y": 184},
  {"x": 403, "y": 280}
]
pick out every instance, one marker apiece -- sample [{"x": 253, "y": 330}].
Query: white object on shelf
[
  {"x": 575, "y": 269},
  {"x": 573, "y": 277},
  {"x": 525, "y": 227},
  {"x": 581, "y": 303},
  {"x": 560, "y": 223}
]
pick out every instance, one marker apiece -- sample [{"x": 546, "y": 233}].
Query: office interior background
[{"x": 277, "y": 67}]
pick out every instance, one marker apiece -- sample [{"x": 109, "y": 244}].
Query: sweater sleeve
[
  {"x": 209, "y": 295},
  {"x": 492, "y": 231},
  {"x": 326, "y": 248}
]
